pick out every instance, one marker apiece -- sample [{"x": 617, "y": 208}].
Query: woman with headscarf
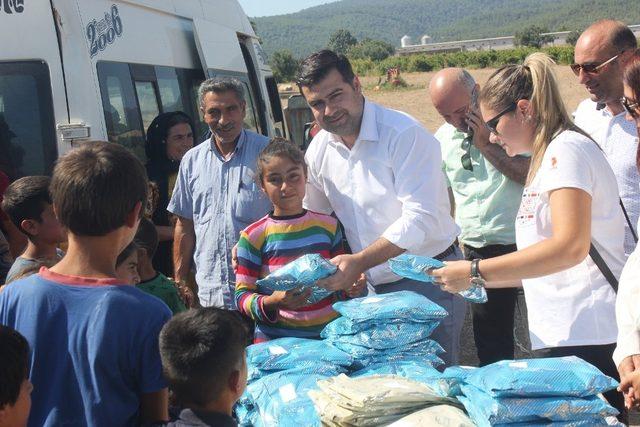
[{"x": 169, "y": 137}]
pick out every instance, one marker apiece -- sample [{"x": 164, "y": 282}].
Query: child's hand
[
  {"x": 357, "y": 288},
  {"x": 289, "y": 300},
  {"x": 630, "y": 387}
]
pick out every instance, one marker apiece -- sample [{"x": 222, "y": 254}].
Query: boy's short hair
[
  {"x": 14, "y": 365},
  {"x": 200, "y": 349},
  {"x": 147, "y": 237},
  {"x": 95, "y": 186},
  {"x": 26, "y": 198}
]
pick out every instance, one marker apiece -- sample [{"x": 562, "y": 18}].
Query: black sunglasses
[
  {"x": 631, "y": 107},
  {"x": 593, "y": 68},
  {"x": 466, "y": 156},
  {"x": 493, "y": 123}
]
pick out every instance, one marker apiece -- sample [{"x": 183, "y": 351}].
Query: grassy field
[{"x": 415, "y": 99}]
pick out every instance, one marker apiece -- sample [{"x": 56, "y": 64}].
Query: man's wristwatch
[{"x": 475, "y": 276}]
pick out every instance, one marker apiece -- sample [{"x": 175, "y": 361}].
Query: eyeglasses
[
  {"x": 466, "y": 156},
  {"x": 493, "y": 123},
  {"x": 631, "y": 107},
  {"x": 592, "y": 68}
]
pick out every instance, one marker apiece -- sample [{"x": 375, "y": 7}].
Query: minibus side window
[
  {"x": 120, "y": 107},
  {"x": 250, "y": 121},
  {"x": 169, "y": 87},
  {"x": 27, "y": 125},
  {"x": 148, "y": 102}
]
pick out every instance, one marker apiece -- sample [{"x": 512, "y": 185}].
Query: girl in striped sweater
[{"x": 286, "y": 233}]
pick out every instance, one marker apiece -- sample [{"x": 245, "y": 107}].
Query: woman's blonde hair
[{"x": 533, "y": 80}]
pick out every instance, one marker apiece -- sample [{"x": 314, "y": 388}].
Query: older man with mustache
[{"x": 215, "y": 195}]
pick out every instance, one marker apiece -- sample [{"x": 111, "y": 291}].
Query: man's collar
[{"x": 239, "y": 143}]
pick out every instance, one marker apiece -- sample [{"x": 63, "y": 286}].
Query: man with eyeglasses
[
  {"x": 485, "y": 188},
  {"x": 601, "y": 54}
]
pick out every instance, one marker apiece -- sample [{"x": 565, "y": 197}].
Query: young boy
[
  {"x": 95, "y": 358},
  {"x": 152, "y": 281},
  {"x": 15, "y": 387},
  {"x": 28, "y": 204},
  {"x": 203, "y": 355}
]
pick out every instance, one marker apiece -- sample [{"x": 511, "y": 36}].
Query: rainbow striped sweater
[{"x": 269, "y": 244}]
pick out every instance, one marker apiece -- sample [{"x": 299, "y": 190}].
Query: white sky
[{"x": 255, "y": 8}]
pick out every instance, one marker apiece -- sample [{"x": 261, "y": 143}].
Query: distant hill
[{"x": 444, "y": 20}]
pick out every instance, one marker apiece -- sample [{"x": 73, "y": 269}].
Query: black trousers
[
  {"x": 600, "y": 357},
  {"x": 493, "y": 321}
]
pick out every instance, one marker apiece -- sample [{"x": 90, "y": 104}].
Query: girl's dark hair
[
  {"x": 156, "y": 146},
  {"x": 279, "y": 147},
  {"x": 632, "y": 79}
]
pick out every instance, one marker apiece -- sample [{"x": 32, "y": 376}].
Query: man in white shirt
[
  {"x": 380, "y": 171},
  {"x": 601, "y": 54}
]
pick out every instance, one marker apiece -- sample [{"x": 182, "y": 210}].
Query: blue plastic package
[
  {"x": 379, "y": 336},
  {"x": 396, "y": 306},
  {"x": 303, "y": 272},
  {"x": 415, "y": 267},
  {"x": 281, "y": 399},
  {"x": 426, "y": 350},
  {"x": 486, "y": 410},
  {"x": 452, "y": 379},
  {"x": 557, "y": 376},
  {"x": 320, "y": 367},
  {"x": 288, "y": 353},
  {"x": 414, "y": 369}
]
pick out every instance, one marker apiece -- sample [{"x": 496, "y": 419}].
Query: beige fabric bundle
[{"x": 372, "y": 400}]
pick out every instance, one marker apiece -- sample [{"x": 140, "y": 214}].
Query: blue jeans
[{"x": 447, "y": 334}]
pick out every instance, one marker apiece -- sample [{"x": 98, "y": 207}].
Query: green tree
[
  {"x": 532, "y": 36},
  {"x": 283, "y": 65},
  {"x": 375, "y": 50},
  {"x": 341, "y": 41},
  {"x": 573, "y": 37}
]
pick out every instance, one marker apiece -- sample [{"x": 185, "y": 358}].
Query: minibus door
[{"x": 32, "y": 94}]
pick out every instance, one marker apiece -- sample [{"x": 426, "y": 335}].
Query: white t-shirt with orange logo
[{"x": 574, "y": 307}]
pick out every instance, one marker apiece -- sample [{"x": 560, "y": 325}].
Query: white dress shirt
[
  {"x": 618, "y": 138},
  {"x": 390, "y": 184}
]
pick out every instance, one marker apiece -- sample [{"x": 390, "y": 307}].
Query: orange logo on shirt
[{"x": 554, "y": 162}]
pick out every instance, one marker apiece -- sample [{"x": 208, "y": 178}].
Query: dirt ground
[{"x": 415, "y": 99}]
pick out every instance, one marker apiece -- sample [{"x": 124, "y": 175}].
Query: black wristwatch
[{"x": 475, "y": 276}]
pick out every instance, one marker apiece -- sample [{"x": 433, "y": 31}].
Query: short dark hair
[
  {"x": 147, "y": 237},
  {"x": 279, "y": 147},
  {"x": 200, "y": 348},
  {"x": 95, "y": 186},
  {"x": 26, "y": 198},
  {"x": 316, "y": 66},
  {"x": 14, "y": 365}
]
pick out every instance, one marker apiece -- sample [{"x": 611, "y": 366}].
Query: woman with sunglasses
[
  {"x": 570, "y": 193},
  {"x": 627, "y": 354}
]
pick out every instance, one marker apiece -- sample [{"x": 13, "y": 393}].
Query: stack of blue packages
[
  {"x": 537, "y": 391},
  {"x": 386, "y": 328},
  {"x": 303, "y": 273},
  {"x": 311, "y": 356},
  {"x": 280, "y": 399},
  {"x": 415, "y": 267}
]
